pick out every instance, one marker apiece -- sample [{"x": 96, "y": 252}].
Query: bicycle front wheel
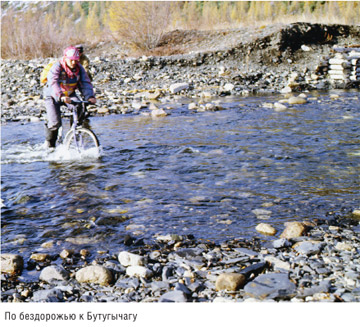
[{"x": 83, "y": 140}]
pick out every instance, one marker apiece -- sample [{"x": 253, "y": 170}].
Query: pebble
[
  {"x": 297, "y": 100},
  {"x": 279, "y": 107},
  {"x": 177, "y": 87},
  {"x": 271, "y": 286},
  {"x": 139, "y": 271},
  {"x": 52, "y": 295},
  {"x": 341, "y": 246},
  {"x": 230, "y": 282},
  {"x": 94, "y": 274},
  {"x": 308, "y": 247},
  {"x": 293, "y": 230},
  {"x": 173, "y": 296},
  {"x": 50, "y": 273},
  {"x": 11, "y": 263},
  {"x": 40, "y": 257},
  {"x": 266, "y": 229},
  {"x": 129, "y": 259}
]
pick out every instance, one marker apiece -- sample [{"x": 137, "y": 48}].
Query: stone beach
[
  {"x": 312, "y": 261},
  {"x": 307, "y": 261}
]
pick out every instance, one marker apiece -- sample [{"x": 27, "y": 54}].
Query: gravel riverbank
[
  {"x": 310, "y": 262},
  {"x": 272, "y": 59}
]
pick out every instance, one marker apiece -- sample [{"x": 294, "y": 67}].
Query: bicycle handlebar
[{"x": 79, "y": 101}]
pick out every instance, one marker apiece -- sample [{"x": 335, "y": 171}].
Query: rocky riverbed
[
  {"x": 270, "y": 59},
  {"x": 312, "y": 261}
]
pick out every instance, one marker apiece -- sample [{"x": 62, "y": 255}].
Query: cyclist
[{"x": 64, "y": 77}]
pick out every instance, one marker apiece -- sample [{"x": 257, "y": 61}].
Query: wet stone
[
  {"x": 281, "y": 243},
  {"x": 271, "y": 286},
  {"x": 323, "y": 287},
  {"x": 173, "y": 296},
  {"x": 51, "y": 273},
  {"x": 52, "y": 295},
  {"x": 308, "y": 248},
  {"x": 11, "y": 263},
  {"x": 293, "y": 230},
  {"x": 246, "y": 252}
]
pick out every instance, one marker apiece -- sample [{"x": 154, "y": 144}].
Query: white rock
[
  {"x": 137, "y": 105},
  {"x": 192, "y": 106},
  {"x": 210, "y": 106},
  {"x": 94, "y": 274},
  {"x": 266, "y": 229},
  {"x": 286, "y": 89},
  {"x": 54, "y": 272},
  {"x": 158, "y": 113},
  {"x": 206, "y": 94},
  {"x": 277, "y": 263},
  {"x": 268, "y": 105},
  {"x": 229, "y": 87},
  {"x": 261, "y": 213},
  {"x": 305, "y": 48},
  {"x": 130, "y": 259},
  {"x": 297, "y": 100},
  {"x": 279, "y": 107},
  {"x": 138, "y": 271},
  {"x": 177, "y": 87},
  {"x": 341, "y": 246}
]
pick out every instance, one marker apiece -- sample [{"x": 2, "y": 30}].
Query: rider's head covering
[{"x": 72, "y": 53}]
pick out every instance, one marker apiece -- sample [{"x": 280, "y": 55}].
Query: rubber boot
[{"x": 50, "y": 137}]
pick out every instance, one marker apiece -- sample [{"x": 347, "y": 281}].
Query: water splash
[{"x": 25, "y": 153}]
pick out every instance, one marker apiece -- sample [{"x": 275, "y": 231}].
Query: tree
[
  {"x": 93, "y": 26},
  {"x": 140, "y": 24}
]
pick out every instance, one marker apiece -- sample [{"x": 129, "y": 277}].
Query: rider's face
[{"x": 71, "y": 63}]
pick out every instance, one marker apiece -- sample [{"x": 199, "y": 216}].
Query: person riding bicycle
[{"x": 64, "y": 77}]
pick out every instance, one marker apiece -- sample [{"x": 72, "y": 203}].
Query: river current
[{"x": 215, "y": 175}]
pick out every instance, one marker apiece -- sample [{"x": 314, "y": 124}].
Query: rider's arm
[
  {"x": 54, "y": 82},
  {"x": 85, "y": 86}
]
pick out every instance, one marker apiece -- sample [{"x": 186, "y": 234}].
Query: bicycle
[{"x": 78, "y": 137}]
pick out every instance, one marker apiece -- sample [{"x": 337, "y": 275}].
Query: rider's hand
[
  {"x": 66, "y": 99},
  {"x": 92, "y": 100}
]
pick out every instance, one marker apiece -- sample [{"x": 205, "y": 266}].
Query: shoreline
[{"x": 319, "y": 263}]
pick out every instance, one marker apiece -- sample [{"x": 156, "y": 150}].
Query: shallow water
[{"x": 215, "y": 175}]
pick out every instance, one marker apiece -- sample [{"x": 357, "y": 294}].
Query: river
[{"x": 215, "y": 175}]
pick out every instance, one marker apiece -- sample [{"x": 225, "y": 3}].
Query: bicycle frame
[
  {"x": 80, "y": 137},
  {"x": 75, "y": 122}
]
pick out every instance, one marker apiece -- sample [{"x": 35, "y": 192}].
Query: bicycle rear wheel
[{"x": 84, "y": 140}]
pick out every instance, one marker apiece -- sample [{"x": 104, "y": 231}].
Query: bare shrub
[
  {"x": 30, "y": 36},
  {"x": 139, "y": 24}
]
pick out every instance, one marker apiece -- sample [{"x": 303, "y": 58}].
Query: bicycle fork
[{"x": 74, "y": 126}]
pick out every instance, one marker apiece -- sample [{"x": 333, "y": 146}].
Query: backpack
[{"x": 44, "y": 73}]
